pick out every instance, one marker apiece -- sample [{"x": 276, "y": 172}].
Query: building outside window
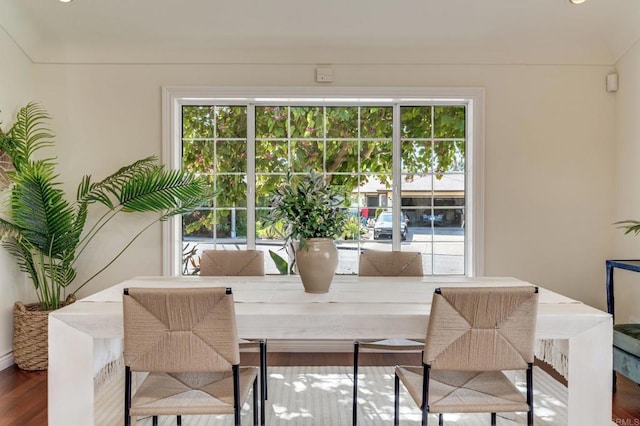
[{"x": 405, "y": 164}]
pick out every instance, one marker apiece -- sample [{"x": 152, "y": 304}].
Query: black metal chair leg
[
  {"x": 179, "y": 420},
  {"x": 155, "y": 421},
  {"x": 262, "y": 409},
  {"x": 263, "y": 368},
  {"x": 356, "y": 349},
  {"x": 127, "y": 395},
  {"x": 396, "y": 401},
  {"x": 255, "y": 402},
  {"x": 493, "y": 419},
  {"x": 426, "y": 374},
  {"x": 236, "y": 394},
  {"x": 440, "y": 419},
  {"x": 530, "y": 394}
]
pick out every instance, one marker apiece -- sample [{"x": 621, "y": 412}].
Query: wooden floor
[{"x": 23, "y": 395}]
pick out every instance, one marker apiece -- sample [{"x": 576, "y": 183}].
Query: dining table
[{"x": 85, "y": 338}]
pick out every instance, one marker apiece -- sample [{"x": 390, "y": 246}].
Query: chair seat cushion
[
  {"x": 464, "y": 391},
  {"x": 392, "y": 344},
  {"x": 627, "y": 338},
  {"x": 189, "y": 393}
]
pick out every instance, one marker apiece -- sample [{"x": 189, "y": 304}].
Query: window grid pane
[{"x": 352, "y": 147}]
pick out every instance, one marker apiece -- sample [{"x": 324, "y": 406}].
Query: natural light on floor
[{"x": 300, "y": 396}]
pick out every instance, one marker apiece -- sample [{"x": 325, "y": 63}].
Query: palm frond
[
  {"x": 629, "y": 226},
  {"x": 160, "y": 190},
  {"x": 188, "y": 206},
  {"x": 28, "y": 134},
  {"x": 62, "y": 274},
  {"x": 112, "y": 185},
  {"x": 40, "y": 209},
  {"x": 79, "y": 221},
  {"x": 46, "y": 232},
  {"x": 24, "y": 258}
]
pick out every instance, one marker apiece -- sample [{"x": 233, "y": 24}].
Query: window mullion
[
  {"x": 433, "y": 192},
  {"x": 251, "y": 176},
  {"x": 397, "y": 179},
  {"x": 215, "y": 178}
]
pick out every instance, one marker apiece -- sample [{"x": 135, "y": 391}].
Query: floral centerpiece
[{"x": 314, "y": 214}]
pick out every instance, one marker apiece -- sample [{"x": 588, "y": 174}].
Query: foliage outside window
[{"x": 352, "y": 146}]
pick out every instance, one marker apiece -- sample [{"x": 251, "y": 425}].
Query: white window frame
[{"x": 173, "y": 97}]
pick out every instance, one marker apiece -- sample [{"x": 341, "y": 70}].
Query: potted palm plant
[
  {"x": 47, "y": 233},
  {"x": 313, "y": 215}
]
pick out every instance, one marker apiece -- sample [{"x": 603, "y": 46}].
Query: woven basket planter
[{"x": 30, "y": 335}]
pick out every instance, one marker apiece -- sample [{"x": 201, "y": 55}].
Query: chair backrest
[
  {"x": 178, "y": 330},
  {"x": 232, "y": 263},
  {"x": 481, "y": 328},
  {"x": 390, "y": 264}
]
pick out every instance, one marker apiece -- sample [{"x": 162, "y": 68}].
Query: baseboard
[
  {"x": 6, "y": 361},
  {"x": 310, "y": 346}
]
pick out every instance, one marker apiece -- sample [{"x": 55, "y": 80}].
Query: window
[{"x": 419, "y": 151}]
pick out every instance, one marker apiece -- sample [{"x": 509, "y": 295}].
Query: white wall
[
  {"x": 551, "y": 184},
  {"x": 627, "y": 174},
  {"x": 16, "y": 89},
  {"x": 549, "y": 153}
]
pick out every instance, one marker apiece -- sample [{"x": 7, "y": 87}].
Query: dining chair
[
  {"x": 239, "y": 263},
  {"x": 474, "y": 334},
  {"x": 232, "y": 263},
  {"x": 385, "y": 264},
  {"x": 186, "y": 340},
  {"x": 390, "y": 264}
]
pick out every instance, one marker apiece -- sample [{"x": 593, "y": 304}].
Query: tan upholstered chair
[
  {"x": 186, "y": 339},
  {"x": 390, "y": 264},
  {"x": 385, "y": 264},
  {"x": 239, "y": 263},
  {"x": 472, "y": 336},
  {"x": 232, "y": 263}
]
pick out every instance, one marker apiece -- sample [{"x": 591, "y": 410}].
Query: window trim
[{"x": 173, "y": 97}]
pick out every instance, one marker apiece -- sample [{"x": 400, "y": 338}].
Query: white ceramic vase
[{"x": 317, "y": 260}]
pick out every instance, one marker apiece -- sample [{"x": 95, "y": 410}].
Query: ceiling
[{"x": 327, "y": 31}]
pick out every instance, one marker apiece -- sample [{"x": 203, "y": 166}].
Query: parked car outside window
[{"x": 384, "y": 225}]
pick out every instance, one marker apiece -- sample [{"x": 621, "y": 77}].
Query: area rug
[{"x": 319, "y": 396}]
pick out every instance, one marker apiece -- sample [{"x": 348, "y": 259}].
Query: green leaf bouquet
[{"x": 309, "y": 208}]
